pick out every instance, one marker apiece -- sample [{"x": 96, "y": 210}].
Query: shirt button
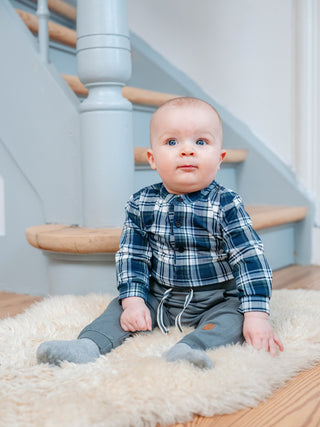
[
  {"x": 180, "y": 249},
  {"x": 179, "y": 199},
  {"x": 178, "y": 224}
]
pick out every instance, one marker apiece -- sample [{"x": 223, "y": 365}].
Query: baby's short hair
[
  {"x": 182, "y": 101},
  {"x": 187, "y": 100}
]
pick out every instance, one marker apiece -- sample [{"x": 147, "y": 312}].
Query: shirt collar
[{"x": 190, "y": 197}]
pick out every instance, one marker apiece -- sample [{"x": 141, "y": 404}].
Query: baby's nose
[{"x": 187, "y": 150}]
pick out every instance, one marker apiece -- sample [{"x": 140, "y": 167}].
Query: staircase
[{"x": 77, "y": 247}]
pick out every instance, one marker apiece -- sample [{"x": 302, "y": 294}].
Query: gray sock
[
  {"x": 76, "y": 351},
  {"x": 182, "y": 351}
]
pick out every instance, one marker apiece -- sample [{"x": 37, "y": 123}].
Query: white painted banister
[
  {"x": 43, "y": 32},
  {"x": 104, "y": 66}
]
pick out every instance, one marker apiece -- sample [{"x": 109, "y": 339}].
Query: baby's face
[{"x": 186, "y": 147}]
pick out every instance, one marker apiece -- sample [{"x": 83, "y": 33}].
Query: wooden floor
[{"x": 295, "y": 405}]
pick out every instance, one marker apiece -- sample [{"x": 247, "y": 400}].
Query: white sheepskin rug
[{"x": 133, "y": 385}]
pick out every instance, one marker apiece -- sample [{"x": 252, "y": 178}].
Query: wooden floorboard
[
  {"x": 295, "y": 405},
  {"x": 12, "y": 304}
]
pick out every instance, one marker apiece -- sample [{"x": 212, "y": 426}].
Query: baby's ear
[
  {"x": 223, "y": 154},
  {"x": 151, "y": 158}
]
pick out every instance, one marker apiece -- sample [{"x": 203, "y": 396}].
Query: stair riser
[
  {"x": 279, "y": 244},
  {"x": 81, "y": 274},
  {"x": 63, "y": 57}
]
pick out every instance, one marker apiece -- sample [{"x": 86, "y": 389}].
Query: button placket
[{"x": 178, "y": 223}]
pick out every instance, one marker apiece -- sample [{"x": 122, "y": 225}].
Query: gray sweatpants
[{"x": 212, "y": 311}]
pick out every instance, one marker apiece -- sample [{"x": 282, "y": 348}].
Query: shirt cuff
[
  {"x": 137, "y": 289},
  {"x": 254, "y": 303}
]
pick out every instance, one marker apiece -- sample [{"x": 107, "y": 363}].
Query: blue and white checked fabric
[{"x": 192, "y": 240}]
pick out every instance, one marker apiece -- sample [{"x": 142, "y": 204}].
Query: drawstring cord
[
  {"x": 160, "y": 321},
  {"x": 186, "y": 303}
]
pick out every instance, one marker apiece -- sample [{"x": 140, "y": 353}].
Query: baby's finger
[
  {"x": 278, "y": 342},
  {"x": 124, "y": 326},
  {"x": 259, "y": 343},
  {"x": 248, "y": 339},
  {"x": 148, "y": 321},
  {"x": 140, "y": 325},
  {"x": 272, "y": 347},
  {"x": 264, "y": 344}
]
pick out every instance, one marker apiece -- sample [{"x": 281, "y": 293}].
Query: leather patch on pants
[{"x": 208, "y": 327}]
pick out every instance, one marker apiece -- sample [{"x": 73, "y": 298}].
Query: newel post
[{"x": 104, "y": 66}]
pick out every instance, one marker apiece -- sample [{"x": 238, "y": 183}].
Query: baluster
[
  {"x": 43, "y": 33},
  {"x": 104, "y": 66}
]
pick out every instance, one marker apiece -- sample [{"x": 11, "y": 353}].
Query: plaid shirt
[{"x": 192, "y": 240}]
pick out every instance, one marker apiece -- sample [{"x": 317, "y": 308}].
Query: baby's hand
[
  {"x": 136, "y": 315},
  {"x": 258, "y": 332}
]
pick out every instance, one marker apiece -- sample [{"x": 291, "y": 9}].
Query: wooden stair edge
[
  {"x": 62, "y": 8},
  {"x": 273, "y": 216},
  {"x": 73, "y": 239},
  {"x": 133, "y": 94},
  {"x": 80, "y": 240},
  {"x": 57, "y": 32}
]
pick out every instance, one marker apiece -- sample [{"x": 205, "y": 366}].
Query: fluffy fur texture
[{"x": 133, "y": 385}]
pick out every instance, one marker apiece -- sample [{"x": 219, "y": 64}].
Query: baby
[{"x": 188, "y": 253}]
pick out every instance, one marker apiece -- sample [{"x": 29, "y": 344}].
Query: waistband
[{"x": 227, "y": 285}]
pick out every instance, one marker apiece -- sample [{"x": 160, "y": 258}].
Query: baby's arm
[
  {"x": 258, "y": 332},
  {"x": 136, "y": 315}
]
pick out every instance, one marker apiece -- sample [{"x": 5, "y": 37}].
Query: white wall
[{"x": 239, "y": 51}]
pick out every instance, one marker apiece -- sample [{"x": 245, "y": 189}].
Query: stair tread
[
  {"x": 73, "y": 239},
  {"x": 57, "y": 32},
  {"x": 80, "y": 240},
  {"x": 273, "y": 216},
  {"x": 133, "y": 94},
  {"x": 63, "y": 8},
  {"x": 62, "y": 34}
]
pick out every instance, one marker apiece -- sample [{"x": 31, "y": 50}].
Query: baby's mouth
[{"x": 187, "y": 167}]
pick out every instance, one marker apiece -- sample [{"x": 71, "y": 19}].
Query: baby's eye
[
  {"x": 201, "y": 142},
  {"x": 172, "y": 142}
]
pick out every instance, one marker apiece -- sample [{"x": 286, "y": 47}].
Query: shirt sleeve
[
  {"x": 133, "y": 260},
  {"x": 245, "y": 251}
]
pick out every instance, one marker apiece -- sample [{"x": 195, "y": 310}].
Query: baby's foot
[
  {"x": 76, "y": 351},
  {"x": 182, "y": 351}
]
